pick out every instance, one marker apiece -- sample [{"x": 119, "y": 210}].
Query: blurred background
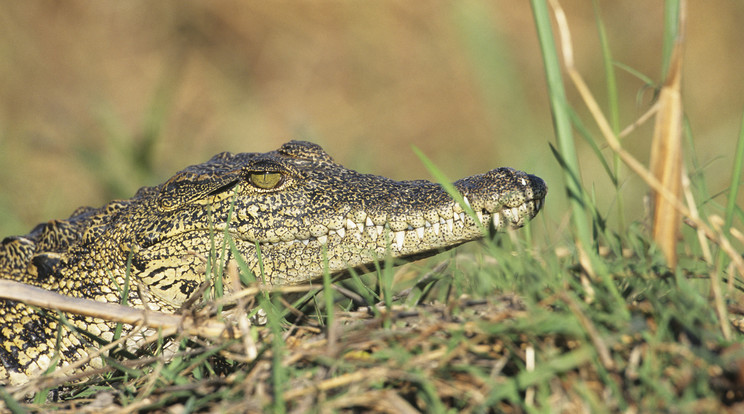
[{"x": 100, "y": 98}]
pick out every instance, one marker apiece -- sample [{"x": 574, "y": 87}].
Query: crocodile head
[
  {"x": 290, "y": 214},
  {"x": 294, "y": 213}
]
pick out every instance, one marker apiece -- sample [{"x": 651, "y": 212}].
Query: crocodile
[{"x": 292, "y": 214}]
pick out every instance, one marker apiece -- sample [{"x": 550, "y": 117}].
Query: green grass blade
[
  {"x": 636, "y": 73},
  {"x": 564, "y": 134},
  {"x": 587, "y": 136},
  {"x": 327, "y": 290},
  {"x": 10, "y": 403},
  {"x": 610, "y": 78},
  {"x": 733, "y": 193},
  {"x": 561, "y": 118},
  {"x": 672, "y": 9},
  {"x": 613, "y": 108},
  {"x": 445, "y": 182},
  {"x": 735, "y": 179},
  {"x": 561, "y": 110}
]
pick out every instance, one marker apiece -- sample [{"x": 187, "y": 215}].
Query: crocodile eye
[{"x": 265, "y": 179}]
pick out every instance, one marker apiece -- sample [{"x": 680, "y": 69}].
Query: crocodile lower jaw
[{"x": 448, "y": 229}]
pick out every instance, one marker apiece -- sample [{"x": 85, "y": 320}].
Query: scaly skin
[{"x": 303, "y": 210}]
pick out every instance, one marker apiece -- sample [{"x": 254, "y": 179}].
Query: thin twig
[{"x": 36, "y": 296}]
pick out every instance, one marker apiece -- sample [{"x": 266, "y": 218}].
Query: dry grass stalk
[{"x": 666, "y": 153}]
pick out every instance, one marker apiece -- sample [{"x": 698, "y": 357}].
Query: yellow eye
[{"x": 266, "y": 179}]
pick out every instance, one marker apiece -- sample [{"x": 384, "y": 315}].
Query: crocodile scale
[{"x": 302, "y": 211}]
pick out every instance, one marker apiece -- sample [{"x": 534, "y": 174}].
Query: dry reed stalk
[{"x": 666, "y": 153}]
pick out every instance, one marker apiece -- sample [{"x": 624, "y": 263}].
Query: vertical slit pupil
[{"x": 266, "y": 179}]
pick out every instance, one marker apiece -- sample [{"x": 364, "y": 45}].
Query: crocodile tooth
[
  {"x": 467, "y": 202},
  {"x": 400, "y": 238},
  {"x": 450, "y": 225},
  {"x": 480, "y": 216},
  {"x": 305, "y": 241},
  {"x": 379, "y": 229},
  {"x": 515, "y": 214},
  {"x": 331, "y": 231},
  {"x": 369, "y": 222},
  {"x": 341, "y": 232},
  {"x": 435, "y": 226},
  {"x": 496, "y": 220},
  {"x": 462, "y": 217},
  {"x": 350, "y": 224},
  {"x": 427, "y": 223},
  {"x": 420, "y": 232},
  {"x": 360, "y": 226},
  {"x": 323, "y": 239},
  {"x": 456, "y": 216}
]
